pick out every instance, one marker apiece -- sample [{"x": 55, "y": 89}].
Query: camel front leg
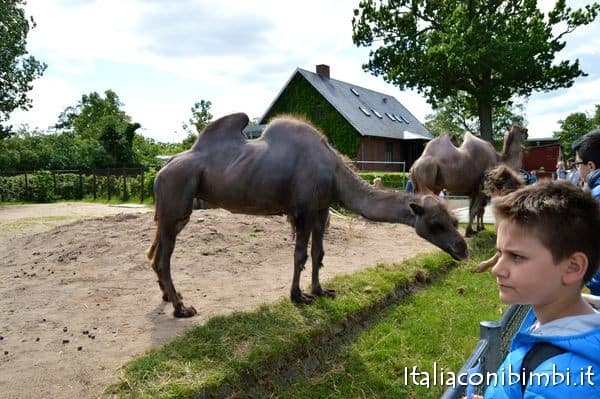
[
  {"x": 300, "y": 256},
  {"x": 317, "y": 253}
]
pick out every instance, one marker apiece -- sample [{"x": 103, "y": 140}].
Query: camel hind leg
[
  {"x": 317, "y": 253},
  {"x": 164, "y": 245}
]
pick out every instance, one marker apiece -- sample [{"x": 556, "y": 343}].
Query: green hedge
[
  {"x": 46, "y": 186},
  {"x": 393, "y": 180}
]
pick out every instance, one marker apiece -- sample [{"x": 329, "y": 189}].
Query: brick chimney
[{"x": 323, "y": 70}]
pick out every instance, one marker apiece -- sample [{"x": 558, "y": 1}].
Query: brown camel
[
  {"x": 290, "y": 170},
  {"x": 498, "y": 182},
  {"x": 460, "y": 170}
]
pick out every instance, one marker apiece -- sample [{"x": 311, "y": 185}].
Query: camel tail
[{"x": 151, "y": 250}]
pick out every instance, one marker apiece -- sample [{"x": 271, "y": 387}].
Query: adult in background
[
  {"x": 573, "y": 173},
  {"x": 587, "y": 161},
  {"x": 561, "y": 172}
]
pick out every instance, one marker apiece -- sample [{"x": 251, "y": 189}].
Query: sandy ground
[{"x": 79, "y": 298}]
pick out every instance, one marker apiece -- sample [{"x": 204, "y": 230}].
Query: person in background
[
  {"x": 377, "y": 182},
  {"x": 410, "y": 188},
  {"x": 544, "y": 262},
  {"x": 534, "y": 178},
  {"x": 561, "y": 172},
  {"x": 573, "y": 173},
  {"x": 587, "y": 161}
]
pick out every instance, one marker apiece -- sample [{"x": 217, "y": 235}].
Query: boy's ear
[{"x": 575, "y": 268}]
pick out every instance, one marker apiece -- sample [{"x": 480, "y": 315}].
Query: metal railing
[
  {"x": 490, "y": 351},
  {"x": 389, "y": 166}
]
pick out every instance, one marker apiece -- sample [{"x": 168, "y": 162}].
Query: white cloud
[{"x": 161, "y": 57}]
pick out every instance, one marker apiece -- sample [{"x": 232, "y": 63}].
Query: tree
[
  {"x": 490, "y": 49},
  {"x": 200, "y": 118},
  {"x": 574, "y": 126},
  {"x": 17, "y": 70},
  {"x": 105, "y": 128},
  {"x": 453, "y": 116}
]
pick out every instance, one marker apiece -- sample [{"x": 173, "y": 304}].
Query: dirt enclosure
[{"x": 79, "y": 298}]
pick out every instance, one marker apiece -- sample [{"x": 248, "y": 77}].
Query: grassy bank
[{"x": 354, "y": 346}]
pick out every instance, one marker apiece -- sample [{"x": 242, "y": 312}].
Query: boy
[{"x": 548, "y": 246}]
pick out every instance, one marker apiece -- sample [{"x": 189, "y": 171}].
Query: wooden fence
[{"x": 116, "y": 182}]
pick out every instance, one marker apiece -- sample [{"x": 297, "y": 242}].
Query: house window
[{"x": 389, "y": 152}]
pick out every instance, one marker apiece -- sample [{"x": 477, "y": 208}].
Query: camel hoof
[
  {"x": 302, "y": 298},
  {"x": 184, "y": 311},
  {"x": 469, "y": 233},
  {"x": 324, "y": 292}
]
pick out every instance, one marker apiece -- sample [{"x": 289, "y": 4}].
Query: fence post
[
  {"x": 491, "y": 331},
  {"x": 109, "y": 185},
  {"x": 142, "y": 188},
  {"x": 27, "y": 196},
  {"x": 80, "y": 185},
  {"x": 124, "y": 196}
]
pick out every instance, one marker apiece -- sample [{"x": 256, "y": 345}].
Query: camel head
[
  {"x": 435, "y": 223},
  {"x": 518, "y": 133}
]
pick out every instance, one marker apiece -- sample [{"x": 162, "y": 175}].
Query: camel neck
[{"x": 358, "y": 196}]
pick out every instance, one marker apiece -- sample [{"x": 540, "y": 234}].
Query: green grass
[
  {"x": 26, "y": 224},
  {"x": 353, "y": 346}
]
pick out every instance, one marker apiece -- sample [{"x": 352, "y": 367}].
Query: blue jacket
[
  {"x": 583, "y": 353},
  {"x": 593, "y": 182}
]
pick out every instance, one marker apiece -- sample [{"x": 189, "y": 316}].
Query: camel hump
[{"x": 229, "y": 126}]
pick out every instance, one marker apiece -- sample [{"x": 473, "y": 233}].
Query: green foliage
[
  {"x": 394, "y": 180},
  {"x": 46, "y": 186},
  {"x": 42, "y": 187},
  {"x": 575, "y": 126},
  {"x": 301, "y": 98},
  {"x": 201, "y": 117},
  {"x": 104, "y": 131},
  {"x": 456, "y": 115},
  {"x": 17, "y": 70},
  {"x": 490, "y": 50}
]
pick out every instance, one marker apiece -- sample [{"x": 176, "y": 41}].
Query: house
[
  {"x": 542, "y": 155},
  {"x": 373, "y": 129}
]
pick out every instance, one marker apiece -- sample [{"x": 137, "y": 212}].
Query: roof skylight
[
  {"x": 377, "y": 114},
  {"x": 390, "y": 116},
  {"x": 364, "y": 110},
  {"x": 353, "y": 90}
]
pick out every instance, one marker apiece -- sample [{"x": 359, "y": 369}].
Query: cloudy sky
[{"x": 161, "y": 57}]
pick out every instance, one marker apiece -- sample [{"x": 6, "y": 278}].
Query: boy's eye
[{"x": 517, "y": 258}]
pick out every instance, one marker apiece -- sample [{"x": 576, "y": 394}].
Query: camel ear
[{"x": 416, "y": 208}]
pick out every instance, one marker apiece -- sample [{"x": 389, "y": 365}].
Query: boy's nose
[{"x": 498, "y": 270}]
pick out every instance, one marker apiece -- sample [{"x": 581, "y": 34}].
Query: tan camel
[
  {"x": 290, "y": 170},
  {"x": 497, "y": 182},
  {"x": 460, "y": 170}
]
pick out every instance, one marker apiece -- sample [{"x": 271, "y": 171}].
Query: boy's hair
[
  {"x": 589, "y": 147},
  {"x": 563, "y": 217},
  {"x": 501, "y": 180}
]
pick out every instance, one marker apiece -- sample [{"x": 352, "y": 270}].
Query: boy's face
[{"x": 525, "y": 272}]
